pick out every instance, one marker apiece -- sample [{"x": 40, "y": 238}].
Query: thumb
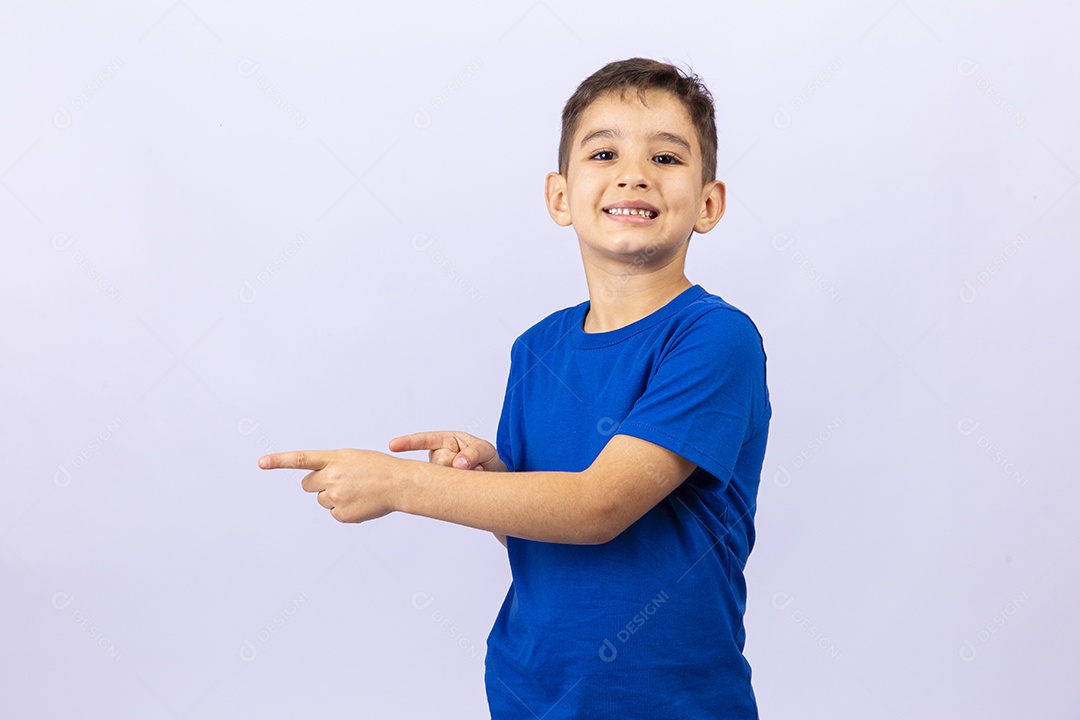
[{"x": 464, "y": 459}]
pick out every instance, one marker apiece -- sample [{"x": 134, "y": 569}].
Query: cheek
[
  {"x": 682, "y": 200},
  {"x": 584, "y": 197}
]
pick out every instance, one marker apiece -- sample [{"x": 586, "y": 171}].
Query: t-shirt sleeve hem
[{"x": 677, "y": 445}]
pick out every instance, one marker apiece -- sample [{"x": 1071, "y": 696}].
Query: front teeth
[{"x": 631, "y": 211}]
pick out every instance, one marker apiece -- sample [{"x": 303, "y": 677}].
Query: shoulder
[
  {"x": 710, "y": 320},
  {"x": 547, "y": 334},
  {"x": 549, "y": 330}
]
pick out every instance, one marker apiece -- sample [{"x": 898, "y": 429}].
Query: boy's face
[{"x": 633, "y": 188}]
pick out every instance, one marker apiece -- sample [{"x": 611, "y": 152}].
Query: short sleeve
[{"x": 707, "y": 394}]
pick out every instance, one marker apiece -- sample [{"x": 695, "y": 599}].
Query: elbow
[
  {"x": 604, "y": 525},
  {"x": 609, "y": 530},
  {"x": 601, "y": 521},
  {"x": 596, "y": 536}
]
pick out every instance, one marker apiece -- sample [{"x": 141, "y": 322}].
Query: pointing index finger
[
  {"x": 424, "y": 441},
  {"x": 302, "y": 460}
]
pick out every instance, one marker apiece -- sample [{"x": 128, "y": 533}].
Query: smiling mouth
[{"x": 640, "y": 212}]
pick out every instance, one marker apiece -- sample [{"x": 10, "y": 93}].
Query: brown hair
[{"x": 643, "y": 74}]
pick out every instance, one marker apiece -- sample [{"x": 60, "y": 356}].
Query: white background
[{"x": 228, "y": 230}]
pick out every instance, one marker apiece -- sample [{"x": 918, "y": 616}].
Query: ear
[
  {"x": 558, "y": 204},
  {"x": 713, "y": 202}
]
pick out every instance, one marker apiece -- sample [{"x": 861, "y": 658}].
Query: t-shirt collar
[{"x": 583, "y": 339}]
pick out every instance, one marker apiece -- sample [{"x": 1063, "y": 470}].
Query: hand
[
  {"x": 452, "y": 449},
  {"x": 354, "y": 485}
]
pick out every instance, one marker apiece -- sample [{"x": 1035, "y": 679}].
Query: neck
[{"x": 615, "y": 301}]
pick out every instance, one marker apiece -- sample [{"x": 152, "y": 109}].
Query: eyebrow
[{"x": 660, "y": 135}]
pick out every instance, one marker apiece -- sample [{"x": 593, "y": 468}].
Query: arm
[
  {"x": 454, "y": 449},
  {"x": 627, "y": 479},
  {"x": 544, "y": 506}
]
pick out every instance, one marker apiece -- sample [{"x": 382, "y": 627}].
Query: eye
[
  {"x": 596, "y": 156},
  {"x": 667, "y": 159}
]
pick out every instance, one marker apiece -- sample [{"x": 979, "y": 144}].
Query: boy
[{"x": 630, "y": 443}]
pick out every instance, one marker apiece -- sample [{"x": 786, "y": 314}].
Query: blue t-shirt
[{"x": 650, "y": 624}]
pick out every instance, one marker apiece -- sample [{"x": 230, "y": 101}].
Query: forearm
[
  {"x": 557, "y": 507},
  {"x": 497, "y": 465}
]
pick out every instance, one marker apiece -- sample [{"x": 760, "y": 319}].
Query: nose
[{"x": 633, "y": 173}]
